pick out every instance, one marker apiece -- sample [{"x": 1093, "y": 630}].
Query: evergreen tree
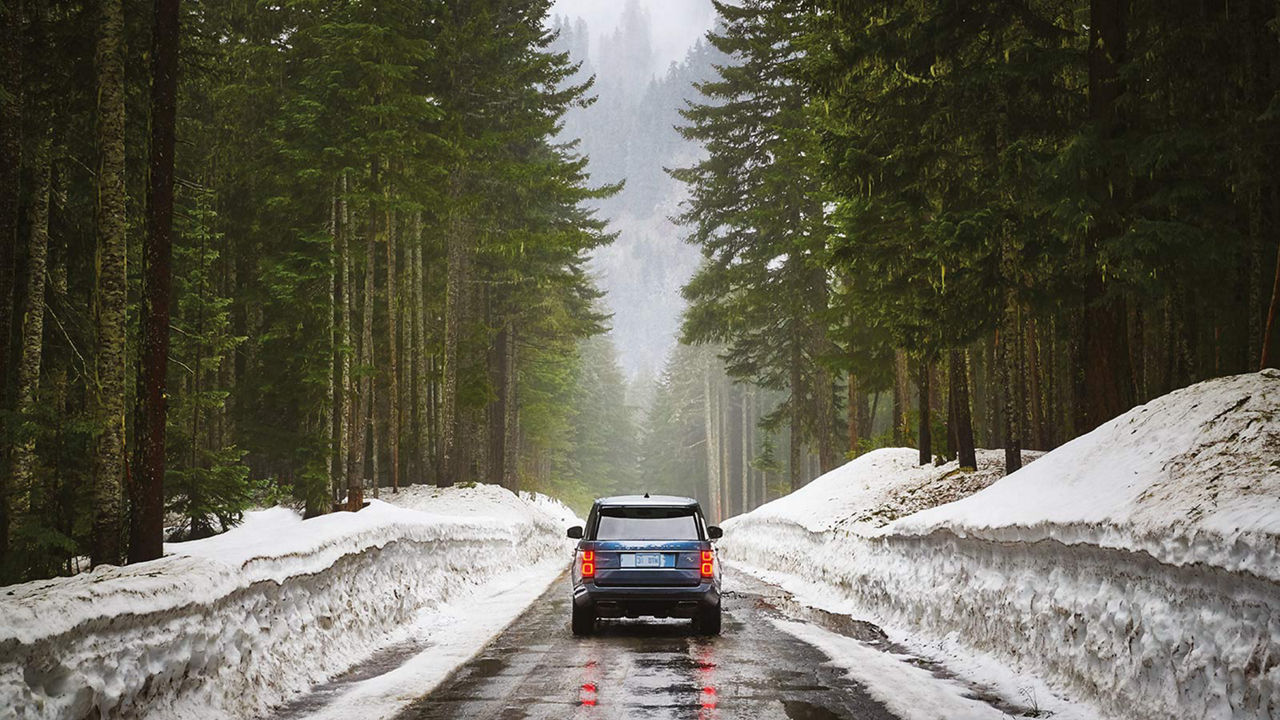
[{"x": 757, "y": 210}]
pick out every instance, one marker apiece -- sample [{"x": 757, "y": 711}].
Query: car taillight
[
  {"x": 588, "y": 563},
  {"x": 708, "y": 564}
]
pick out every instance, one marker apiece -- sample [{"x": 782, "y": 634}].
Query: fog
[
  {"x": 675, "y": 24},
  {"x": 645, "y": 55}
]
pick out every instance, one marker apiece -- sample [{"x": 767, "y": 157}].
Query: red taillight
[
  {"x": 588, "y": 563},
  {"x": 708, "y": 564}
]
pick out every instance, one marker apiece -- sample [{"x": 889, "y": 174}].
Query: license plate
[{"x": 648, "y": 560}]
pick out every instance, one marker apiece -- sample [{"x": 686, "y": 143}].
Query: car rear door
[{"x": 648, "y": 546}]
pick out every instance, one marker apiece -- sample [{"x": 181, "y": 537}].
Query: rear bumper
[{"x": 616, "y": 601}]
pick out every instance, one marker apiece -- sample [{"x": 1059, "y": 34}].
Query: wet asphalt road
[{"x": 648, "y": 669}]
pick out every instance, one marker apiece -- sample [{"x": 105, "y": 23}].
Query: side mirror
[
  {"x": 714, "y": 532},
  {"x": 575, "y": 532}
]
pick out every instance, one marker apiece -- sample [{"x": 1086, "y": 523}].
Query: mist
[
  {"x": 675, "y": 24},
  {"x": 645, "y": 56}
]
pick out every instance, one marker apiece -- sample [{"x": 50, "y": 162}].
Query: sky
[{"x": 677, "y": 24}]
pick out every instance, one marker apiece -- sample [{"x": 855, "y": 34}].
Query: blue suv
[{"x": 642, "y": 555}]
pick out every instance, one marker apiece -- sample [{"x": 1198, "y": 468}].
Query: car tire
[
  {"x": 584, "y": 621},
  {"x": 708, "y": 621}
]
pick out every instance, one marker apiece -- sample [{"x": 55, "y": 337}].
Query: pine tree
[
  {"x": 11, "y": 81},
  {"x": 757, "y": 211},
  {"x": 206, "y": 480}
]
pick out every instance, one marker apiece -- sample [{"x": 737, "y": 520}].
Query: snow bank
[
  {"x": 235, "y": 624},
  {"x": 909, "y": 692},
  {"x": 1137, "y": 567},
  {"x": 876, "y": 488}
]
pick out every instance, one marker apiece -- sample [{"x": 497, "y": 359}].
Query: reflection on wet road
[{"x": 647, "y": 669}]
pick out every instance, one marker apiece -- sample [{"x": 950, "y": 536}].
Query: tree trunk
[
  {"x": 1107, "y": 375},
  {"x": 959, "y": 376},
  {"x": 511, "y": 439},
  {"x": 422, "y": 379},
  {"x": 342, "y": 349},
  {"x": 852, "y": 413},
  {"x": 991, "y": 398},
  {"x": 749, "y": 447},
  {"x": 1033, "y": 373},
  {"x": 900, "y": 398},
  {"x": 795, "y": 442},
  {"x": 1271, "y": 316},
  {"x": 11, "y": 35},
  {"x": 1007, "y": 369},
  {"x": 458, "y": 269},
  {"x": 926, "y": 432},
  {"x": 377, "y": 439},
  {"x": 824, "y": 403},
  {"x": 935, "y": 403},
  {"x": 722, "y": 443},
  {"x": 498, "y": 408},
  {"x": 745, "y": 449},
  {"x": 331, "y": 411},
  {"x": 952, "y": 442},
  {"x": 357, "y": 482},
  {"x": 355, "y": 441},
  {"x": 11, "y": 40},
  {"x": 11, "y": 31},
  {"x": 393, "y": 378},
  {"x": 24, "y": 447},
  {"x": 146, "y": 528},
  {"x": 1051, "y": 390},
  {"x": 1107, "y": 391},
  {"x": 435, "y": 435},
  {"x": 56, "y": 358},
  {"x": 871, "y": 414},
  {"x": 405, "y": 377},
  {"x": 111, "y": 296},
  {"x": 711, "y": 433},
  {"x": 198, "y": 525}
]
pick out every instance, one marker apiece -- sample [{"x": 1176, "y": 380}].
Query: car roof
[{"x": 648, "y": 500}]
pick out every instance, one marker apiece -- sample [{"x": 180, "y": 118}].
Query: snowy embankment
[
  {"x": 233, "y": 625},
  {"x": 1136, "y": 567}
]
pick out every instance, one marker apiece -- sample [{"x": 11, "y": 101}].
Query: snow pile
[
  {"x": 552, "y": 507},
  {"x": 909, "y": 692},
  {"x": 1137, "y": 566},
  {"x": 235, "y": 624},
  {"x": 879, "y": 487}
]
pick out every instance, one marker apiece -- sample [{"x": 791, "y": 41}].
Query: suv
[{"x": 642, "y": 555}]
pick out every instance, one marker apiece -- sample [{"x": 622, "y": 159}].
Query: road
[{"x": 650, "y": 669}]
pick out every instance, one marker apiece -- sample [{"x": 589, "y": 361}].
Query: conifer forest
[{"x": 313, "y": 252}]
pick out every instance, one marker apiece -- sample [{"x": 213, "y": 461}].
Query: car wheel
[
  {"x": 584, "y": 621},
  {"x": 708, "y": 621}
]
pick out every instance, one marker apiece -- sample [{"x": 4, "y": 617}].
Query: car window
[{"x": 647, "y": 523}]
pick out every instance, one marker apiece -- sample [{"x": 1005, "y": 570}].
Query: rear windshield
[{"x": 647, "y": 523}]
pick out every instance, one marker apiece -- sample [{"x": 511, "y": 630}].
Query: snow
[
  {"x": 1191, "y": 477},
  {"x": 1134, "y": 569},
  {"x": 456, "y": 630},
  {"x": 878, "y": 487},
  {"x": 910, "y": 692},
  {"x": 238, "y": 623}
]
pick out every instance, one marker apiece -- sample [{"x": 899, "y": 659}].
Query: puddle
[
  {"x": 801, "y": 710},
  {"x": 487, "y": 667}
]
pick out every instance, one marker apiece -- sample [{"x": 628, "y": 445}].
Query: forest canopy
[
  {"x": 304, "y": 252},
  {"x": 377, "y": 253}
]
